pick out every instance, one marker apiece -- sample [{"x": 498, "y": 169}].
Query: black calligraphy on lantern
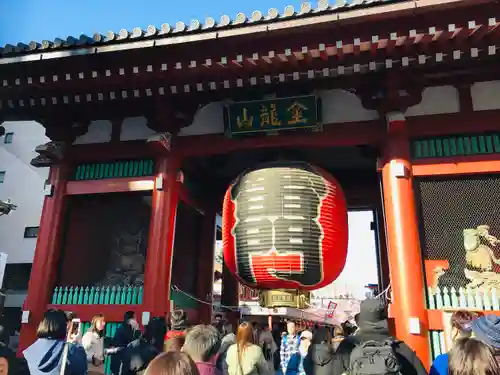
[{"x": 276, "y": 231}]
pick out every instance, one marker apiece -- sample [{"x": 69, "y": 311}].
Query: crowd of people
[{"x": 174, "y": 347}]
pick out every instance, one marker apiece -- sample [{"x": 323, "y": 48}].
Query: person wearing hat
[
  {"x": 373, "y": 326},
  {"x": 178, "y": 324},
  {"x": 487, "y": 329}
]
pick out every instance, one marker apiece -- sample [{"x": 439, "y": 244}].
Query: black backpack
[{"x": 374, "y": 358}]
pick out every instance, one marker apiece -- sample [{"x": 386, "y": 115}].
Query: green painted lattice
[
  {"x": 118, "y": 169},
  {"x": 114, "y": 295},
  {"x": 478, "y": 144}
]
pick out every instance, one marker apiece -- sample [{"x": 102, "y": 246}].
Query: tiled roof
[{"x": 195, "y": 26}]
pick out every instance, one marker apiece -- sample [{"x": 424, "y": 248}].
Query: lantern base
[{"x": 284, "y": 298}]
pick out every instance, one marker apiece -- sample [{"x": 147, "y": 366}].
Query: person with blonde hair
[
  {"x": 244, "y": 357},
  {"x": 172, "y": 363},
  {"x": 472, "y": 357},
  {"x": 93, "y": 343}
]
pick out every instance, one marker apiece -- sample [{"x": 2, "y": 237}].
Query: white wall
[{"x": 23, "y": 184}]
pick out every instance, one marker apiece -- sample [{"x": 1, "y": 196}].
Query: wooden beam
[
  {"x": 112, "y": 185},
  {"x": 463, "y": 165},
  {"x": 334, "y": 135}
]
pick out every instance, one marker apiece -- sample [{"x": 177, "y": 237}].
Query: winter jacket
[
  {"x": 44, "y": 357},
  {"x": 124, "y": 335},
  {"x": 227, "y": 341},
  {"x": 321, "y": 359},
  {"x": 410, "y": 363},
  {"x": 136, "y": 356},
  {"x": 252, "y": 361},
  {"x": 440, "y": 365}
]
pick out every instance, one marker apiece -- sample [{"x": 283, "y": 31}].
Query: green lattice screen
[
  {"x": 117, "y": 169},
  {"x": 459, "y": 145}
]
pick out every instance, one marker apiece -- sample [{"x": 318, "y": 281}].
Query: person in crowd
[
  {"x": 172, "y": 363},
  {"x": 228, "y": 339},
  {"x": 321, "y": 358},
  {"x": 373, "y": 327},
  {"x": 174, "y": 344},
  {"x": 93, "y": 343},
  {"x": 202, "y": 344},
  {"x": 178, "y": 324},
  {"x": 76, "y": 336},
  {"x": 157, "y": 329},
  {"x": 268, "y": 345},
  {"x": 8, "y": 362},
  {"x": 244, "y": 357},
  {"x": 461, "y": 327},
  {"x": 127, "y": 332},
  {"x": 469, "y": 356},
  {"x": 296, "y": 362},
  {"x": 289, "y": 345},
  {"x": 137, "y": 355},
  {"x": 44, "y": 356},
  {"x": 256, "y": 332},
  {"x": 338, "y": 337}
]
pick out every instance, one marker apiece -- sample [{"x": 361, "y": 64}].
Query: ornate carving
[
  {"x": 479, "y": 254},
  {"x": 393, "y": 93},
  {"x": 480, "y": 258},
  {"x": 50, "y": 153},
  {"x": 64, "y": 128},
  {"x": 172, "y": 116},
  {"x": 162, "y": 141}
]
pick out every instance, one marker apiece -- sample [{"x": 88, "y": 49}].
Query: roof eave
[{"x": 380, "y": 12}]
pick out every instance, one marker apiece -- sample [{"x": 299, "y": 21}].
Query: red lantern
[{"x": 284, "y": 226}]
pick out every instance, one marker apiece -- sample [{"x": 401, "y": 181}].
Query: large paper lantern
[{"x": 284, "y": 226}]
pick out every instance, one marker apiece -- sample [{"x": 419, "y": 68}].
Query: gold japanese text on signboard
[{"x": 273, "y": 115}]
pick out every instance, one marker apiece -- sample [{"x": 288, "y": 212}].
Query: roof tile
[{"x": 323, "y": 6}]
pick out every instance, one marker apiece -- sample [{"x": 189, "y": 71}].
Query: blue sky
[{"x": 27, "y": 20}]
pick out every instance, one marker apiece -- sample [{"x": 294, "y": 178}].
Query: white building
[{"x": 23, "y": 185}]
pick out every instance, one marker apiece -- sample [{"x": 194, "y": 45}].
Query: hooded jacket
[{"x": 44, "y": 357}]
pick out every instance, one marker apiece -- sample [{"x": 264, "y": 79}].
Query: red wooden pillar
[
  {"x": 161, "y": 237},
  {"x": 230, "y": 295},
  {"x": 206, "y": 266},
  {"x": 405, "y": 256},
  {"x": 47, "y": 252}
]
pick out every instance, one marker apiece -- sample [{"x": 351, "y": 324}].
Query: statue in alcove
[
  {"x": 128, "y": 253},
  {"x": 480, "y": 260}
]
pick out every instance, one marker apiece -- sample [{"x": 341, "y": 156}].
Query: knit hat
[
  {"x": 372, "y": 311},
  {"x": 487, "y": 329},
  {"x": 178, "y": 320}
]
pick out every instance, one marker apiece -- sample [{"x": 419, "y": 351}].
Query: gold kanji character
[
  {"x": 244, "y": 121},
  {"x": 297, "y": 114},
  {"x": 275, "y": 121},
  {"x": 264, "y": 116}
]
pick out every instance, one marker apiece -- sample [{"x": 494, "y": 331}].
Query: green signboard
[{"x": 265, "y": 116}]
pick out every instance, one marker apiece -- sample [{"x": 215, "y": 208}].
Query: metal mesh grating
[{"x": 447, "y": 207}]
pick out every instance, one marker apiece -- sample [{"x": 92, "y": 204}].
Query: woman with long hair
[
  {"x": 244, "y": 357},
  {"x": 472, "y": 357},
  {"x": 93, "y": 343},
  {"x": 172, "y": 363},
  {"x": 461, "y": 327}
]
